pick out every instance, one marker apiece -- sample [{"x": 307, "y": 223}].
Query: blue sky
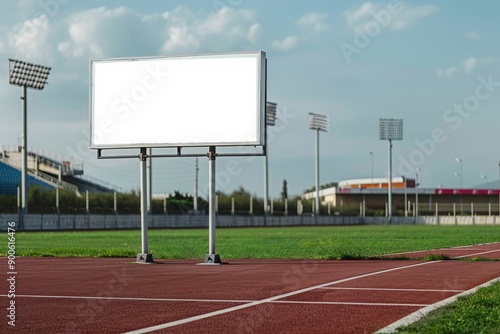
[{"x": 434, "y": 64}]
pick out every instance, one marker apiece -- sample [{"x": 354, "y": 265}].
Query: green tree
[{"x": 284, "y": 190}]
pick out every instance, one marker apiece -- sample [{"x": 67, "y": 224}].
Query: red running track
[{"x": 74, "y": 295}]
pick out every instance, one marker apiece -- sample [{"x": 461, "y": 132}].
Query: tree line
[{"x": 238, "y": 202}]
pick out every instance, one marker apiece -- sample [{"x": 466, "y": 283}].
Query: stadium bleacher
[
  {"x": 47, "y": 172},
  {"x": 10, "y": 179}
]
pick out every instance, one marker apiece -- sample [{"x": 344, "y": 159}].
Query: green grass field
[
  {"x": 477, "y": 313},
  {"x": 232, "y": 243},
  {"x": 349, "y": 242}
]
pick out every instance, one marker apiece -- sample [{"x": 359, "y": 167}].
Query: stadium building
[{"x": 407, "y": 197}]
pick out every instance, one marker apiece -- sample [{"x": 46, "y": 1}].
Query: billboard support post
[
  {"x": 211, "y": 257},
  {"x": 144, "y": 256}
]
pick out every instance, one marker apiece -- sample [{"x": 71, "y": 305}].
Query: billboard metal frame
[{"x": 184, "y": 99}]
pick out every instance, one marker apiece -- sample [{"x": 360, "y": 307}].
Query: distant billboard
[{"x": 195, "y": 100}]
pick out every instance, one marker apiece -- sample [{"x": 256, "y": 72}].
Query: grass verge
[
  {"x": 476, "y": 313},
  {"x": 318, "y": 242}
]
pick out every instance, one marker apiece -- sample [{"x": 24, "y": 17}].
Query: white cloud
[
  {"x": 287, "y": 43},
  {"x": 396, "y": 16},
  {"x": 223, "y": 29},
  {"x": 30, "y": 38},
  {"x": 253, "y": 32},
  {"x": 409, "y": 16},
  {"x": 317, "y": 21},
  {"x": 470, "y": 64},
  {"x": 226, "y": 21},
  {"x": 355, "y": 15},
  {"x": 472, "y": 35},
  {"x": 446, "y": 73},
  {"x": 180, "y": 38},
  {"x": 103, "y": 32}
]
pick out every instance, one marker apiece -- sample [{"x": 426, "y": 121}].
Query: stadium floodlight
[
  {"x": 390, "y": 129},
  {"x": 318, "y": 123},
  {"x": 271, "y": 113},
  {"x": 271, "y": 108},
  {"x": 26, "y": 75}
]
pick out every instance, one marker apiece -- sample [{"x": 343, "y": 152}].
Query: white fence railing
[{"x": 41, "y": 222}]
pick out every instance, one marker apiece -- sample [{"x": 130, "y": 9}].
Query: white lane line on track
[
  {"x": 481, "y": 253},
  {"x": 268, "y": 300},
  {"x": 347, "y": 303},
  {"x": 417, "y": 315},
  {"x": 136, "y": 299},
  {"x": 389, "y": 289},
  {"x": 209, "y": 300}
]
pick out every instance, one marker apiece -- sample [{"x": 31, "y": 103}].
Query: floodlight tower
[
  {"x": 390, "y": 129},
  {"x": 318, "y": 123},
  {"x": 270, "y": 121},
  {"x": 26, "y": 75}
]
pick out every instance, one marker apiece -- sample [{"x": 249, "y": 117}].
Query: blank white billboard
[{"x": 197, "y": 100}]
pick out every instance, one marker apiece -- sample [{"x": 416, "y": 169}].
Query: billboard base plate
[
  {"x": 144, "y": 258},
  {"x": 213, "y": 259}
]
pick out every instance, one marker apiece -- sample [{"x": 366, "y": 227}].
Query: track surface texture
[{"x": 116, "y": 295}]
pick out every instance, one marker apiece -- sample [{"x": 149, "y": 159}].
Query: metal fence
[{"x": 54, "y": 222}]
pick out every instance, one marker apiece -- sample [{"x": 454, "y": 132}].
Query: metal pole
[
  {"x": 59, "y": 178},
  {"x": 24, "y": 148},
  {"x": 266, "y": 183},
  {"x": 406, "y": 197},
  {"x": 416, "y": 194},
  {"x": 211, "y": 200},
  {"x": 144, "y": 189},
  {"x": 149, "y": 181},
  {"x": 461, "y": 174},
  {"x": 115, "y": 203},
  {"x": 371, "y": 158},
  {"x": 87, "y": 204},
  {"x": 18, "y": 200},
  {"x": 165, "y": 205},
  {"x": 211, "y": 257},
  {"x": 389, "y": 208},
  {"x": 317, "y": 173},
  {"x": 195, "y": 197}
]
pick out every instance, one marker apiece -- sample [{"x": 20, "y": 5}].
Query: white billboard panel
[{"x": 196, "y": 100}]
